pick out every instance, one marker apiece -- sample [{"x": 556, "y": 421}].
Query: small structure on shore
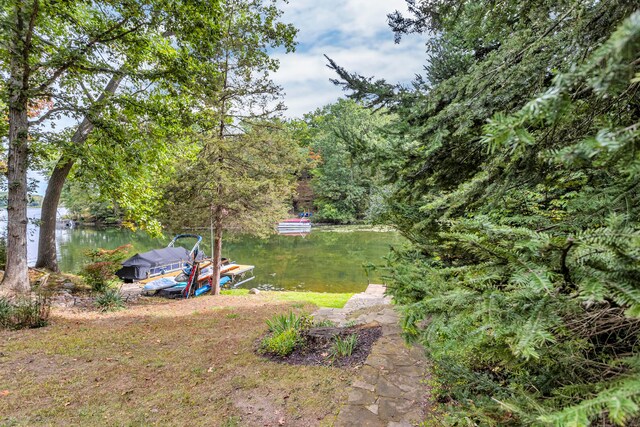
[{"x": 294, "y": 226}]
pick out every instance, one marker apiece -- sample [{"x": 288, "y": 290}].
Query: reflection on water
[
  {"x": 33, "y": 214},
  {"x": 323, "y": 261}
]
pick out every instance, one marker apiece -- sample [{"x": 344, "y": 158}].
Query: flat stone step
[{"x": 389, "y": 390}]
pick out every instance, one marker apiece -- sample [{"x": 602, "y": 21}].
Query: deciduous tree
[{"x": 77, "y": 56}]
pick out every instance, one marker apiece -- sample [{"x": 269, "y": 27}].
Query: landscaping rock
[
  {"x": 68, "y": 285},
  {"x": 390, "y": 390},
  {"x": 254, "y": 291}
]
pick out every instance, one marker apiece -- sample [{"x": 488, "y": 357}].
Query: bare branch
[
  {"x": 86, "y": 91},
  {"x": 86, "y": 48},
  {"x": 47, "y": 115}
]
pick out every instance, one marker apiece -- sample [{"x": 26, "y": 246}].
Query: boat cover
[{"x": 141, "y": 266}]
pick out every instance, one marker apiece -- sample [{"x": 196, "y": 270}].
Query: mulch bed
[{"x": 317, "y": 348}]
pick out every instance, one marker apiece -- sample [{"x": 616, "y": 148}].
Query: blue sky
[{"x": 352, "y": 32}]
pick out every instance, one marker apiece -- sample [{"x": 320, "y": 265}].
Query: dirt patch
[
  {"x": 155, "y": 363},
  {"x": 316, "y": 350}
]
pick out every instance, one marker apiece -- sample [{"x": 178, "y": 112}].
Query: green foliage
[
  {"x": 249, "y": 176},
  {"x": 24, "y": 313},
  {"x": 3, "y": 252},
  {"x": 343, "y": 346},
  {"x": 515, "y": 165},
  {"x": 109, "y": 300},
  {"x": 344, "y": 183},
  {"x": 285, "y": 333},
  {"x": 241, "y": 175},
  {"x": 325, "y": 323},
  {"x": 100, "y": 273},
  {"x": 282, "y": 343},
  {"x": 283, "y": 322}
]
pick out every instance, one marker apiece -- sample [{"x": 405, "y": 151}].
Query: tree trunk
[
  {"x": 47, "y": 252},
  {"x": 217, "y": 250},
  {"x": 16, "y": 276}
]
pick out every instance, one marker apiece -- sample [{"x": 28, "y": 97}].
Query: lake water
[{"x": 326, "y": 260}]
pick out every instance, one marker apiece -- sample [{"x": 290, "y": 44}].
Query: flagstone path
[{"x": 390, "y": 389}]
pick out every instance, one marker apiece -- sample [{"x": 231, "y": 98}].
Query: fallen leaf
[
  {"x": 281, "y": 421},
  {"x": 5, "y": 393},
  {"x": 210, "y": 369}
]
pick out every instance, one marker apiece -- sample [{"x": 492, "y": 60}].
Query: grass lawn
[
  {"x": 188, "y": 362},
  {"x": 320, "y": 299}
]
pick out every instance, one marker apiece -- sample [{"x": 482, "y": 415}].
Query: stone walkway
[{"x": 390, "y": 389}]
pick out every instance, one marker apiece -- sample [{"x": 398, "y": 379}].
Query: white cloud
[{"x": 356, "y": 35}]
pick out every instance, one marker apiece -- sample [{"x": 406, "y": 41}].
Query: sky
[{"x": 356, "y": 35}]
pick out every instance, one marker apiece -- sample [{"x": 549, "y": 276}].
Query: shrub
[
  {"x": 286, "y": 333},
  {"x": 282, "y": 343},
  {"x": 24, "y": 313},
  {"x": 343, "y": 347},
  {"x": 283, "y": 322},
  {"x": 100, "y": 273},
  {"x": 109, "y": 300}
]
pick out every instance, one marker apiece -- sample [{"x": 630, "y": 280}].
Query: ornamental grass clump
[
  {"x": 24, "y": 313},
  {"x": 286, "y": 333},
  {"x": 343, "y": 347},
  {"x": 109, "y": 300},
  {"x": 283, "y": 322}
]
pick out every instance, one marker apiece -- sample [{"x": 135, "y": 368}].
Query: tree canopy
[
  {"x": 342, "y": 139},
  {"x": 515, "y": 176}
]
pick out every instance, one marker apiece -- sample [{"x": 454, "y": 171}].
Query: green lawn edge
[{"x": 321, "y": 299}]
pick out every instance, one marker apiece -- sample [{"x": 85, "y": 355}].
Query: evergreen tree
[
  {"x": 516, "y": 176},
  {"x": 246, "y": 169}
]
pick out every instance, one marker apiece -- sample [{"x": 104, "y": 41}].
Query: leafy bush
[
  {"x": 284, "y": 322},
  {"x": 285, "y": 333},
  {"x": 24, "y": 313},
  {"x": 109, "y": 300},
  {"x": 343, "y": 347},
  {"x": 282, "y": 343},
  {"x": 100, "y": 273}
]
